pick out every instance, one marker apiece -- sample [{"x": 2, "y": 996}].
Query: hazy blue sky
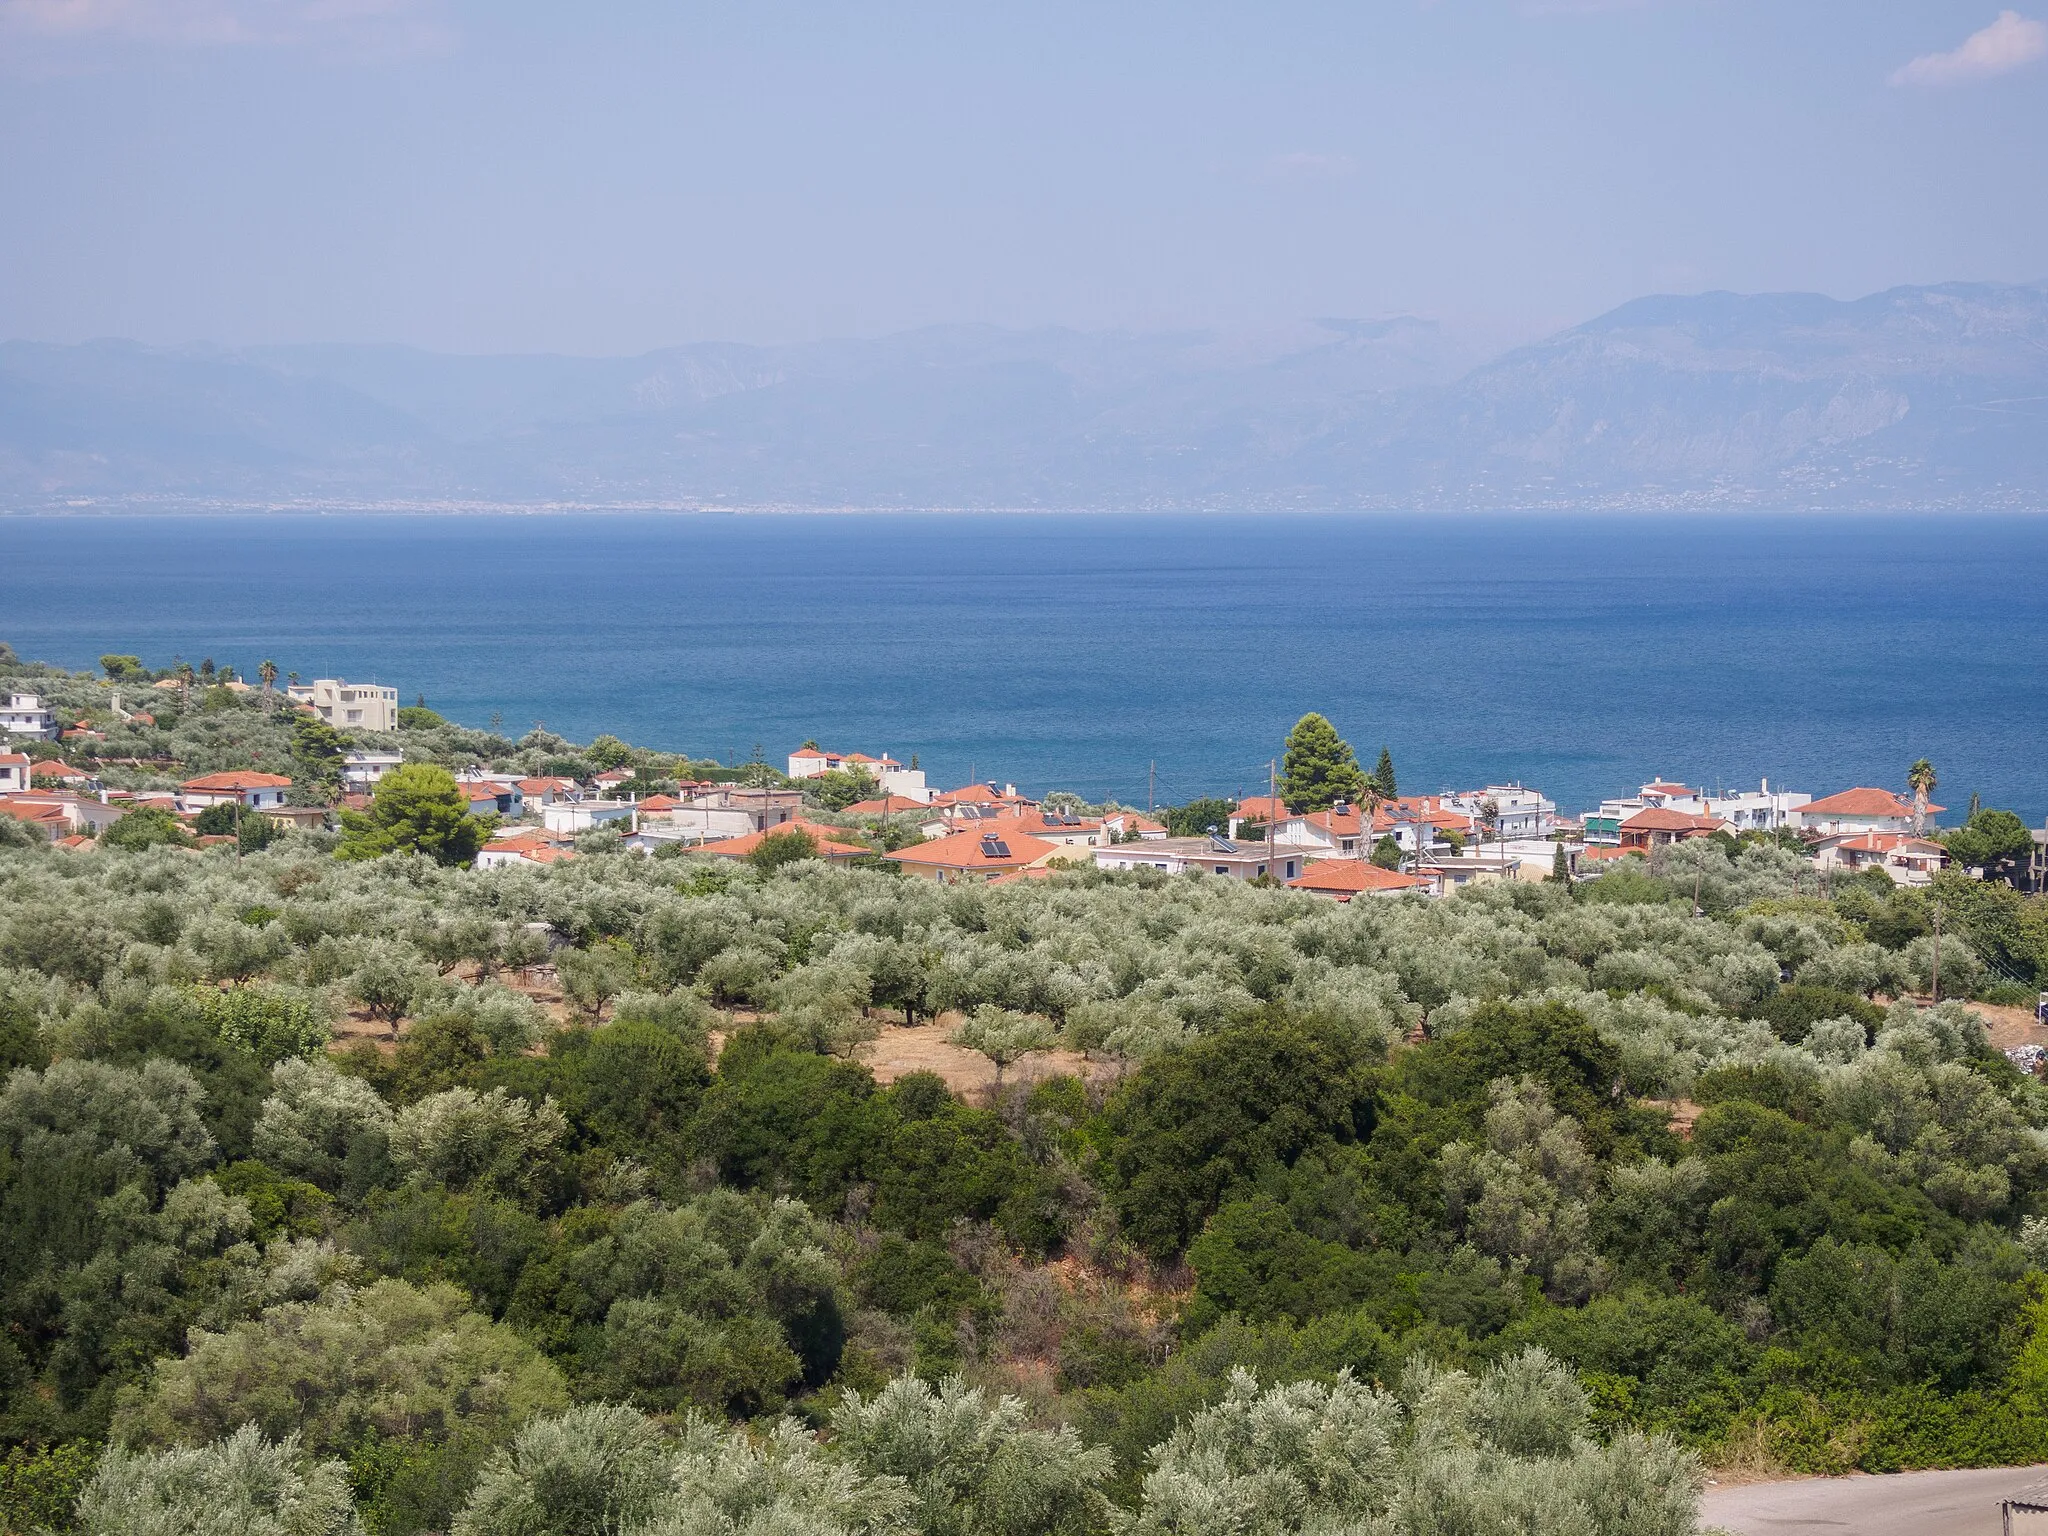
[{"x": 615, "y": 176}]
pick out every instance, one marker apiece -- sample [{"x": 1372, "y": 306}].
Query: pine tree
[
  {"x": 1383, "y": 777},
  {"x": 1320, "y": 767}
]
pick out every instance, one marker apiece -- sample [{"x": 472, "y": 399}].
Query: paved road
[{"x": 1902, "y": 1504}]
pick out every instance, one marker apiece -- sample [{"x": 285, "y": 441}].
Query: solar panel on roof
[
  {"x": 1222, "y": 844},
  {"x": 993, "y": 847}
]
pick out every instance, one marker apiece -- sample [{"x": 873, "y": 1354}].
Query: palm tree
[
  {"x": 267, "y": 671},
  {"x": 1921, "y": 780}
]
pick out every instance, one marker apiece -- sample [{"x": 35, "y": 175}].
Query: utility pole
[
  {"x": 1151, "y": 785},
  {"x": 1272, "y": 811}
]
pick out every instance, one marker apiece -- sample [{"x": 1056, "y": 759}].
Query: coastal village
[{"x": 1374, "y": 843}]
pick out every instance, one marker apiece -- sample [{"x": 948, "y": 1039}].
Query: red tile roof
[
  {"x": 22, "y": 810},
  {"x": 1345, "y": 878},
  {"x": 1658, "y": 819},
  {"x": 963, "y": 850},
  {"x": 1861, "y": 802},
  {"x": 1882, "y": 842},
  {"x": 240, "y": 778},
  {"x": 62, "y": 773},
  {"x": 831, "y": 841}
]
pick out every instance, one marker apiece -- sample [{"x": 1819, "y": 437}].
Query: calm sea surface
[{"x": 1581, "y": 655}]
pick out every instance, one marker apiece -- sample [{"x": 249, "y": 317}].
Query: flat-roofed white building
[
  {"x": 349, "y": 706},
  {"x": 25, "y": 714}
]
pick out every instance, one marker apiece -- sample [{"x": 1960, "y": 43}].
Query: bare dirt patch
[
  {"x": 2009, "y": 1027},
  {"x": 899, "y": 1051},
  {"x": 1683, "y": 1114}
]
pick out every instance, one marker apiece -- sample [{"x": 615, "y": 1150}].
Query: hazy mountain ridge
[{"x": 1931, "y": 396}]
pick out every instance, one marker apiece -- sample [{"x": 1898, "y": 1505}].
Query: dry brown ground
[
  {"x": 898, "y": 1051},
  {"x": 2009, "y": 1027},
  {"x": 1681, "y": 1112}
]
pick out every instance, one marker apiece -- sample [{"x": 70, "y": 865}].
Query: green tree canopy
[
  {"x": 144, "y": 828},
  {"x": 416, "y": 808},
  {"x": 1992, "y": 840},
  {"x": 317, "y": 749},
  {"x": 1383, "y": 777},
  {"x": 780, "y": 848},
  {"x": 1320, "y": 767}
]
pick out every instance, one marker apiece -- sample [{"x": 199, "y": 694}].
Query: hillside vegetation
[{"x": 1482, "y": 1214}]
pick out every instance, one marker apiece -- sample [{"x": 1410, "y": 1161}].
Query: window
[
  {"x": 1222, "y": 869},
  {"x": 354, "y": 715}
]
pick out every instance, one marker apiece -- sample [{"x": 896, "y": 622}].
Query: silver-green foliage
[
  {"x": 1504, "y": 1452},
  {"x": 243, "y": 1485}
]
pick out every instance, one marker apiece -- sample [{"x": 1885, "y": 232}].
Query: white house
[
  {"x": 1762, "y": 809},
  {"x": 1522, "y": 813},
  {"x": 25, "y": 714},
  {"x": 892, "y": 776},
  {"x": 572, "y": 816},
  {"x": 488, "y": 797},
  {"x": 1907, "y": 859},
  {"x": 360, "y": 771},
  {"x": 1859, "y": 810},
  {"x": 522, "y": 847},
  {"x": 253, "y": 791},
  {"x": 15, "y": 769},
  {"x": 1213, "y": 855}
]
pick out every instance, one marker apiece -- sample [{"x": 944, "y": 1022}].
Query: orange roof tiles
[
  {"x": 830, "y": 840},
  {"x": 1882, "y": 842},
  {"x": 1345, "y": 878},
  {"x": 963, "y": 850},
  {"x": 240, "y": 778},
  {"x": 1657, "y": 819},
  {"x": 1861, "y": 802}
]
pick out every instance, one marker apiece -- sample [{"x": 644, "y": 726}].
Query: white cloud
[
  {"x": 223, "y": 23},
  {"x": 2008, "y": 43}
]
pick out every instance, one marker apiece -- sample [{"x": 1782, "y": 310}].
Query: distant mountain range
[{"x": 1930, "y": 397}]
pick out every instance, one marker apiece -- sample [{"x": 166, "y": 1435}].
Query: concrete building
[
  {"x": 489, "y": 797},
  {"x": 1521, "y": 813},
  {"x": 349, "y": 706},
  {"x": 1213, "y": 855},
  {"x": 254, "y": 791},
  {"x": 1859, "y": 810},
  {"x": 25, "y": 714},
  {"x": 1907, "y": 859},
  {"x": 16, "y": 772},
  {"x": 524, "y": 846},
  {"x": 568, "y": 817},
  {"x": 892, "y": 776},
  {"x": 1659, "y": 827},
  {"x": 1762, "y": 809},
  {"x": 360, "y": 771}
]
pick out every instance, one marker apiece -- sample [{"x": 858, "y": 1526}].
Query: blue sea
[{"x": 1110, "y": 654}]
